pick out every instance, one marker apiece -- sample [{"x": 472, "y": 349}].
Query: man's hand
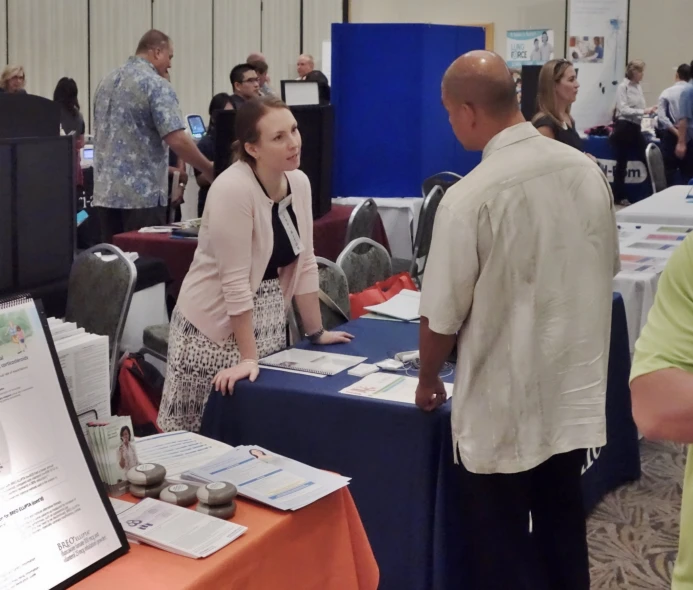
[
  {"x": 681, "y": 150},
  {"x": 431, "y": 396}
]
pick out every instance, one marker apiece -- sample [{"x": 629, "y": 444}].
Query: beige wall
[
  {"x": 659, "y": 29},
  {"x": 660, "y": 34}
]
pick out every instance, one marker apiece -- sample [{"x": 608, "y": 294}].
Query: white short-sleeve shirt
[{"x": 521, "y": 264}]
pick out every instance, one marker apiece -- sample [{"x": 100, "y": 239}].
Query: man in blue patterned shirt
[{"x": 136, "y": 115}]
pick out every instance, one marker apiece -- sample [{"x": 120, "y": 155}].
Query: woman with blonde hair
[
  {"x": 630, "y": 109},
  {"x": 12, "y": 80},
  {"x": 558, "y": 88}
]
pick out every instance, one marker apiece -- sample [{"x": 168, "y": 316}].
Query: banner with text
[
  {"x": 597, "y": 42},
  {"x": 532, "y": 47}
]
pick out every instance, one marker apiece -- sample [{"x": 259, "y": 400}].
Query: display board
[
  {"x": 529, "y": 47},
  {"x": 56, "y": 524},
  {"x": 597, "y": 43}
]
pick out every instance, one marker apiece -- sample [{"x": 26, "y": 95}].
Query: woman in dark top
[
  {"x": 558, "y": 88},
  {"x": 220, "y": 102},
  {"x": 71, "y": 119}
]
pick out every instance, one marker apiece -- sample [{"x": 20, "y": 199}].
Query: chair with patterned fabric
[
  {"x": 364, "y": 262},
  {"x": 362, "y": 221},
  {"x": 655, "y": 168},
  {"x": 100, "y": 288}
]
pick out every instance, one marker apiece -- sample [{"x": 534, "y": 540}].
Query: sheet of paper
[
  {"x": 258, "y": 478},
  {"x": 86, "y": 365},
  {"x": 179, "y": 530},
  {"x": 383, "y": 318},
  {"x": 120, "y": 506},
  {"x": 386, "y": 386},
  {"x": 403, "y": 306},
  {"x": 179, "y": 451}
]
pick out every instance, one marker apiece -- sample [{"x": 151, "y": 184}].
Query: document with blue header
[{"x": 271, "y": 479}]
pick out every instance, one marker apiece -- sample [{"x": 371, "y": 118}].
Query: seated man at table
[
  {"x": 662, "y": 384},
  {"x": 245, "y": 83},
  {"x": 519, "y": 276}
]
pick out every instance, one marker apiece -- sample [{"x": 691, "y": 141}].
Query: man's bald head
[
  {"x": 481, "y": 79},
  {"x": 305, "y": 64},
  {"x": 256, "y": 57}
]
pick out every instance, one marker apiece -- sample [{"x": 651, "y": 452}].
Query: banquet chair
[
  {"x": 333, "y": 294},
  {"x": 424, "y": 233},
  {"x": 362, "y": 221},
  {"x": 655, "y": 168},
  {"x": 443, "y": 179},
  {"x": 364, "y": 262},
  {"x": 155, "y": 341},
  {"x": 99, "y": 294}
]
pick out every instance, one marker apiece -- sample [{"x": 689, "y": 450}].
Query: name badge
[{"x": 289, "y": 226}]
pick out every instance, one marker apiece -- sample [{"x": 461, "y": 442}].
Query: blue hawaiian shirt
[{"x": 134, "y": 108}]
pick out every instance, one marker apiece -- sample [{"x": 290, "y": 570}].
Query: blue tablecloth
[
  {"x": 400, "y": 458},
  {"x": 638, "y": 183}
]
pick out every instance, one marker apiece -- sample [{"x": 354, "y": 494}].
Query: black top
[
  {"x": 237, "y": 101},
  {"x": 71, "y": 121},
  {"x": 207, "y": 146},
  {"x": 567, "y": 136},
  {"x": 282, "y": 252}
]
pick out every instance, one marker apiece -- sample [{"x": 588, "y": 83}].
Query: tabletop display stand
[{"x": 57, "y": 525}]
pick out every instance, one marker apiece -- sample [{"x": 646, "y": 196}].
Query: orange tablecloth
[{"x": 320, "y": 547}]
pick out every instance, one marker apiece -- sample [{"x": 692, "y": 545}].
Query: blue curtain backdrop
[{"x": 391, "y": 129}]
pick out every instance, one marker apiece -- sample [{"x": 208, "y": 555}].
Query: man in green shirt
[{"x": 662, "y": 384}]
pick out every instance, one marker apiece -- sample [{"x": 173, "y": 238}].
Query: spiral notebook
[{"x": 311, "y": 361}]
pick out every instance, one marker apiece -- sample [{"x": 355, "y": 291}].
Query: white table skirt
[
  {"x": 666, "y": 207},
  {"x": 645, "y": 249},
  {"x": 400, "y": 218}
]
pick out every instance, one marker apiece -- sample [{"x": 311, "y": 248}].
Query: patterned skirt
[{"x": 194, "y": 360}]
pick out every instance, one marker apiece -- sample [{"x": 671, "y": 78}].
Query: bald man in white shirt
[{"x": 519, "y": 276}]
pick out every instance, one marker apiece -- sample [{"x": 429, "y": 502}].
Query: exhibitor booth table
[
  {"x": 329, "y": 233},
  {"x": 320, "y": 546},
  {"x": 400, "y": 458},
  {"x": 667, "y": 207},
  {"x": 638, "y": 183},
  {"x": 645, "y": 249}
]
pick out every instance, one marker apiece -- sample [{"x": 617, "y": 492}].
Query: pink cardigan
[{"x": 234, "y": 248}]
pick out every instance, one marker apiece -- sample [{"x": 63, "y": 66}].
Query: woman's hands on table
[
  {"x": 226, "y": 379},
  {"x": 334, "y": 338}
]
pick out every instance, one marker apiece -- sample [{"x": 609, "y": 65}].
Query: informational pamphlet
[
  {"x": 388, "y": 386},
  {"x": 178, "y": 530},
  {"x": 265, "y": 477},
  {"x": 56, "y": 523},
  {"x": 179, "y": 451}
]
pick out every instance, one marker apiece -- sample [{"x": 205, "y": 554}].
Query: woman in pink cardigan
[{"x": 254, "y": 255}]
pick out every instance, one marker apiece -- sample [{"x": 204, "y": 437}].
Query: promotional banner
[
  {"x": 597, "y": 42},
  {"x": 532, "y": 47}
]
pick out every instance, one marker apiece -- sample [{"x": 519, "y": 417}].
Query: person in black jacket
[{"x": 219, "y": 102}]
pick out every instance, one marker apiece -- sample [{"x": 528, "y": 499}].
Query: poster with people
[
  {"x": 531, "y": 47},
  {"x": 597, "y": 39}
]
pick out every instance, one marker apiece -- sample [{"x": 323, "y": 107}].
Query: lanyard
[{"x": 289, "y": 226}]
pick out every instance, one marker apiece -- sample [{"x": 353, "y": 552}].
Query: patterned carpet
[{"x": 633, "y": 533}]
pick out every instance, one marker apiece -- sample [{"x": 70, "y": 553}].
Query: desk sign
[{"x": 56, "y": 524}]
